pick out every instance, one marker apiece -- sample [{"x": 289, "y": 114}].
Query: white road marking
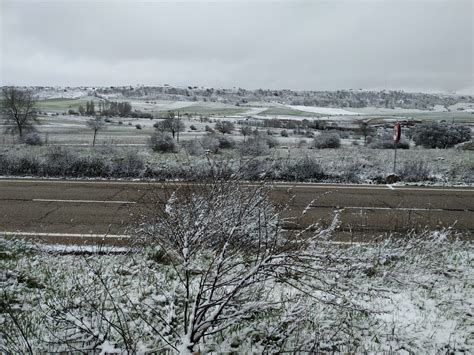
[
  {"x": 390, "y": 187},
  {"x": 74, "y": 235},
  {"x": 383, "y": 208},
  {"x": 368, "y": 187},
  {"x": 82, "y": 201},
  {"x": 394, "y": 208}
]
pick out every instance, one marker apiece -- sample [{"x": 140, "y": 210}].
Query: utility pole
[{"x": 177, "y": 139}]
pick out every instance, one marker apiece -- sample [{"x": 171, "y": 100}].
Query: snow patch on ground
[
  {"x": 48, "y": 94},
  {"x": 393, "y": 111},
  {"x": 322, "y": 110}
]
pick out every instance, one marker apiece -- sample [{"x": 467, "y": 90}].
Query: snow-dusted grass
[
  {"x": 415, "y": 296},
  {"x": 347, "y": 164},
  {"x": 446, "y": 166}
]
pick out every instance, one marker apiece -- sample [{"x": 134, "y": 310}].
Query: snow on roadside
[
  {"x": 424, "y": 306},
  {"x": 86, "y": 249}
]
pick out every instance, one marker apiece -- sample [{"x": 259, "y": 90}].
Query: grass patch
[
  {"x": 61, "y": 104},
  {"x": 286, "y": 111},
  {"x": 209, "y": 110}
]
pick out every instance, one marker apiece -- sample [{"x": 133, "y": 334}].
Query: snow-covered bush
[
  {"x": 130, "y": 164},
  {"x": 254, "y": 170},
  {"x": 193, "y": 148},
  {"x": 441, "y": 135},
  {"x": 254, "y": 146},
  {"x": 162, "y": 142},
  {"x": 327, "y": 140},
  {"x": 224, "y": 127},
  {"x": 210, "y": 142},
  {"x": 301, "y": 169},
  {"x": 272, "y": 142},
  {"x": 209, "y": 129},
  {"x": 228, "y": 251},
  {"x": 32, "y": 138},
  {"x": 59, "y": 161},
  {"x": 19, "y": 163},
  {"x": 225, "y": 142},
  {"x": 414, "y": 170}
]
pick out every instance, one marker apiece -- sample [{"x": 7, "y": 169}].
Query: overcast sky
[{"x": 425, "y": 45}]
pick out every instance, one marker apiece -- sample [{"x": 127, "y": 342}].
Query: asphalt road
[{"x": 78, "y": 211}]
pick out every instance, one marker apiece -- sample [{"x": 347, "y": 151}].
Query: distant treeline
[
  {"x": 104, "y": 108},
  {"x": 340, "y": 98}
]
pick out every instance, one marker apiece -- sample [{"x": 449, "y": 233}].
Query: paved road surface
[{"x": 66, "y": 210}]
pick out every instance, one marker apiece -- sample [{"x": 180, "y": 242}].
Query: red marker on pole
[{"x": 397, "y": 132}]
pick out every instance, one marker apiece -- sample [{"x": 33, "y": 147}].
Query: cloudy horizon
[{"x": 300, "y": 45}]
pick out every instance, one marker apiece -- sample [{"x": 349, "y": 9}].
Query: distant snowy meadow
[{"x": 322, "y": 110}]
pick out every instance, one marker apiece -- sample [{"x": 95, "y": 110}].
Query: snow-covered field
[
  {"x": 61, "y": 93},
  {"x": 161, "y": 105},
  {"x": 343, "y": 118},
  {"x": 323, "y": 110},
  {"x": 392, "y": 111}
]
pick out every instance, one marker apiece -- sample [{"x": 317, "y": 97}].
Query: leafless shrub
[
  {"x": 300, "y": 169},
  {"x": 130, "y": 164},
  {"x": 225, "y": 142},
  {"x": 414, "y": 170},
  {"x": 272, "y": 142},
  {"x": 210, "y": 142},
  {"x": 19, "y": 163},
  {"x": 225, "y": 243},
  {"x": 193, "y": 148},
  {"x": 255, "y": 146}
]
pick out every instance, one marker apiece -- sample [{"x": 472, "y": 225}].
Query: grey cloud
[{"x": 425, "y": 45}]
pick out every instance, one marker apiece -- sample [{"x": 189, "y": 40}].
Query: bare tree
[
  {"x": 172, "y": 125},
  {"x": 90, "y": 108},
  {"x": 226, "y": 245},
  {"x": 95, "y": 124},
  {"x": 224, "y": 127},
  {"x": 19, "y": 110},
  {"x": 246, "y": 131},
  {"x": 366, "y": 130}
]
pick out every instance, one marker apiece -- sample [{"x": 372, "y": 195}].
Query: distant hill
[{"x": 239, "y": 96}]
